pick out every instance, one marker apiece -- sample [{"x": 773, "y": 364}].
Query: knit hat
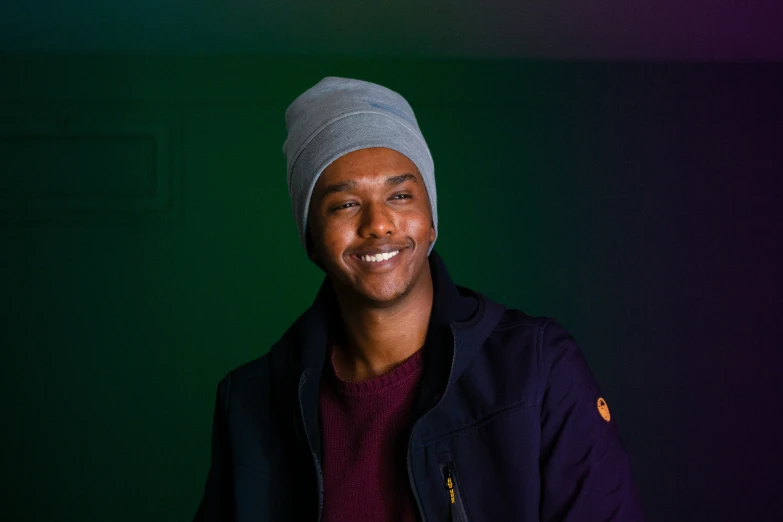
[{"x": 340, "y": 115}]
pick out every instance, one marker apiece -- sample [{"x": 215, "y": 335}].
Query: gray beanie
[{"x": 340, "y": 115}]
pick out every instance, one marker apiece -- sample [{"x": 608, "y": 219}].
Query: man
[{"x": 399, "y": 396}]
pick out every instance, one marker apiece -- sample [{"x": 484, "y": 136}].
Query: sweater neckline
[{"x": 401, "y": 373}]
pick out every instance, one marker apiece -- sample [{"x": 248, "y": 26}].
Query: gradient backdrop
[{"x": 148, "y": 247}]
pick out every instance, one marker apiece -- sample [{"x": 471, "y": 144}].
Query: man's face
[{"x": 366, "y": 206}]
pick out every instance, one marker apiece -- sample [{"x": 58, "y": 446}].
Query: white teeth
[{"x": 379, "y": 257}]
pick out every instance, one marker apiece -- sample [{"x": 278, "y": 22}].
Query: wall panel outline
[{"x": 77, "y": 163}]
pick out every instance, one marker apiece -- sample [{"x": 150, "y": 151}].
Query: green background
[{"x": 155, "y": 250}]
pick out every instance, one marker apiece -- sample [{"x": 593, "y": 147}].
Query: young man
[{"x": 399, "y": 396}]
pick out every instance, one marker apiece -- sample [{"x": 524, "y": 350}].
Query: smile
[{"x": 379, "y": 257}]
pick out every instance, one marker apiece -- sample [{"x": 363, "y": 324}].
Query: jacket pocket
[{"x": 458, "y": 512}]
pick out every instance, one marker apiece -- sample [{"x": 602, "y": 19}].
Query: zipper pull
[{"x": 450, "y": 483}]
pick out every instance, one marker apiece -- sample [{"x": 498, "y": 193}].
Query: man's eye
[
  {"x": 401, "y": 196},
  {"x": 344, "y": 205}
]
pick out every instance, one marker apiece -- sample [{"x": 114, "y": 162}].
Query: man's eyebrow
[
  {"x": 402, "y": 178},
  {"x": 348, "y": 185},
  {"x": 338, "y": 187}
]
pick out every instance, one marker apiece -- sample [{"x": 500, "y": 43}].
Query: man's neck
[{"x": 376, "y": 339}]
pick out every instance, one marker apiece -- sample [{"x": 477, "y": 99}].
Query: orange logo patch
[{"x": 603, "y": 409}]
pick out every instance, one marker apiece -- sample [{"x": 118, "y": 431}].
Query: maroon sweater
[{"x": 364, "y": 429}]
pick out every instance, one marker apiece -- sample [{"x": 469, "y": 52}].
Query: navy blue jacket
[{"x": 507, "y": 424}]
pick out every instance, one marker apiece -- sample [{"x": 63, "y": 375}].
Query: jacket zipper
[
  {"x": 413, "y": 429},
  {"x": 458, "y": 513}
]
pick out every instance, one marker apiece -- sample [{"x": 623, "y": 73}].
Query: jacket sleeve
[
  {"x": 217, "y": 502},
  {"x": 585, "y": 470}
]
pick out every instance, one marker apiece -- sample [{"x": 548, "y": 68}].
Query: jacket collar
[{"x": 307, "y": 338}]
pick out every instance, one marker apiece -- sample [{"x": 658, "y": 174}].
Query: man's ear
[{"x": 432, "y": 232}]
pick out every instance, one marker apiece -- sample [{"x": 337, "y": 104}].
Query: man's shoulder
[
  {"x": 542, "y": 342},
  {"x": 520, "y": 354},
  {"x": 543, "y": 335},
  {"x": 273, "y": 361},
  {"x": 515, "y": 319},
  {"x": 252, "y": 377},
  {"x": 516, "y": 338},
  {"x": 512, "y": 321},
  {"x": 253, "y": 369},
  {"x": 518, "y": 322}
]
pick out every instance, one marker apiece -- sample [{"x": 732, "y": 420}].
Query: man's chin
[
  {"x": 382, "y": 297},
  {"x": 379, "y": 291}
]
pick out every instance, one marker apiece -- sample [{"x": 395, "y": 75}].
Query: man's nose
[{"x": 376, "y": 221}]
